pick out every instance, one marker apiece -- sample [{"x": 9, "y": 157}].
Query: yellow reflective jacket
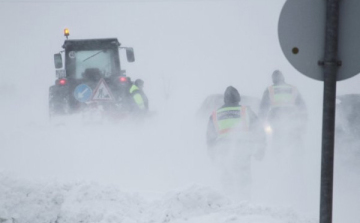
[
  {"x": 231, "y": 119},
  {"x": 138, "y": 99},
  {"x": 283, "y": 95}
]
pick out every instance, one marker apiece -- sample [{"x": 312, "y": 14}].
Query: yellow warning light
[{"x": 66, "y": 32}]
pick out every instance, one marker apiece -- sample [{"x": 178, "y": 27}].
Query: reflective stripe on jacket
[
  {"x": 134, "y": 91},
  {"x": 282, "y": 95},
  {"x": 231, "y": 119}
]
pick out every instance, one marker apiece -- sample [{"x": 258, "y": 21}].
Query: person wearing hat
[
  {"x": 280, "y": 97},
  {"x": 140, "y": 101},
  {"x": 234, "y": 136},
  {"x": 230, "y": 120},
  {"x": 284, "y": 111}
]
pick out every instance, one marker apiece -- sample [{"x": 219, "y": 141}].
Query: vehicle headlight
[{"x": 268, "y": 129}]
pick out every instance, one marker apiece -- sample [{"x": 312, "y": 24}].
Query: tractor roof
[{"x": 88, "y": 44}]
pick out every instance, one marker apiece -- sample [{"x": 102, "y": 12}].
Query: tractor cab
[{"x": 88, "y": 71}]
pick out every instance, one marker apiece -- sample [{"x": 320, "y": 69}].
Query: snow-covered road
[{"x": 157, "y": 171}]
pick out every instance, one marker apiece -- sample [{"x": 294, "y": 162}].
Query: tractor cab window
[{"x": 99, "y": 62}]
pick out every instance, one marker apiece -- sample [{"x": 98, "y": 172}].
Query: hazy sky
[
  {"x": 234, "y": 42},
  {"x": 203, "y": 45}
]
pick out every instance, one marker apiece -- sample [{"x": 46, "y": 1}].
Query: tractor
[{"x": 89, "y": 77}]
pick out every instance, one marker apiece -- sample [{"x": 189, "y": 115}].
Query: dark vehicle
[
  {"x": 348, "y": 116},
  {"x": 91, "y": 77},
  {"x": 347, "y": 141}
]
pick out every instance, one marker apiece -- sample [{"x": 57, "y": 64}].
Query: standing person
[
  {"x": 140, "y": 101},
  {"x": 284, "y": 110},
  {"x": 233, "y": 137}
]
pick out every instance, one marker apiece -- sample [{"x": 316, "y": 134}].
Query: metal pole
[{"x": 328, "y": 129}]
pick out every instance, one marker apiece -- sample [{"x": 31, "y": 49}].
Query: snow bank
[
  {"x": 29, "y": 201},
  {"x": 40, "y": 202},
  {"x": 202, "y": 204},
  {"x": 188, "y": 203}
]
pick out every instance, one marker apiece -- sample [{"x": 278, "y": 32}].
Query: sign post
[
  {"x": 330, "y": 65},
  {"x": 313, "y": 34}
]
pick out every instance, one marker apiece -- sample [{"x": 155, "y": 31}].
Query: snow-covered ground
[
  {"x": 158, "y": 171},
  {"x": 44, "y": 201}
]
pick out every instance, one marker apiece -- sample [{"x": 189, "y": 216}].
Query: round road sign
[
  {"x": 82, "y": 93},
  {"x": 301, "y": 33}
]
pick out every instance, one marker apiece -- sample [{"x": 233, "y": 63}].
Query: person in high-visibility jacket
[
  {"x": 280, "y": 98},
  {"x": 232, "y": 120},
  {"x": 140, "y": 101},
  {"x": 234, "y": 136},
  {"x": 283, "y": 110}
]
